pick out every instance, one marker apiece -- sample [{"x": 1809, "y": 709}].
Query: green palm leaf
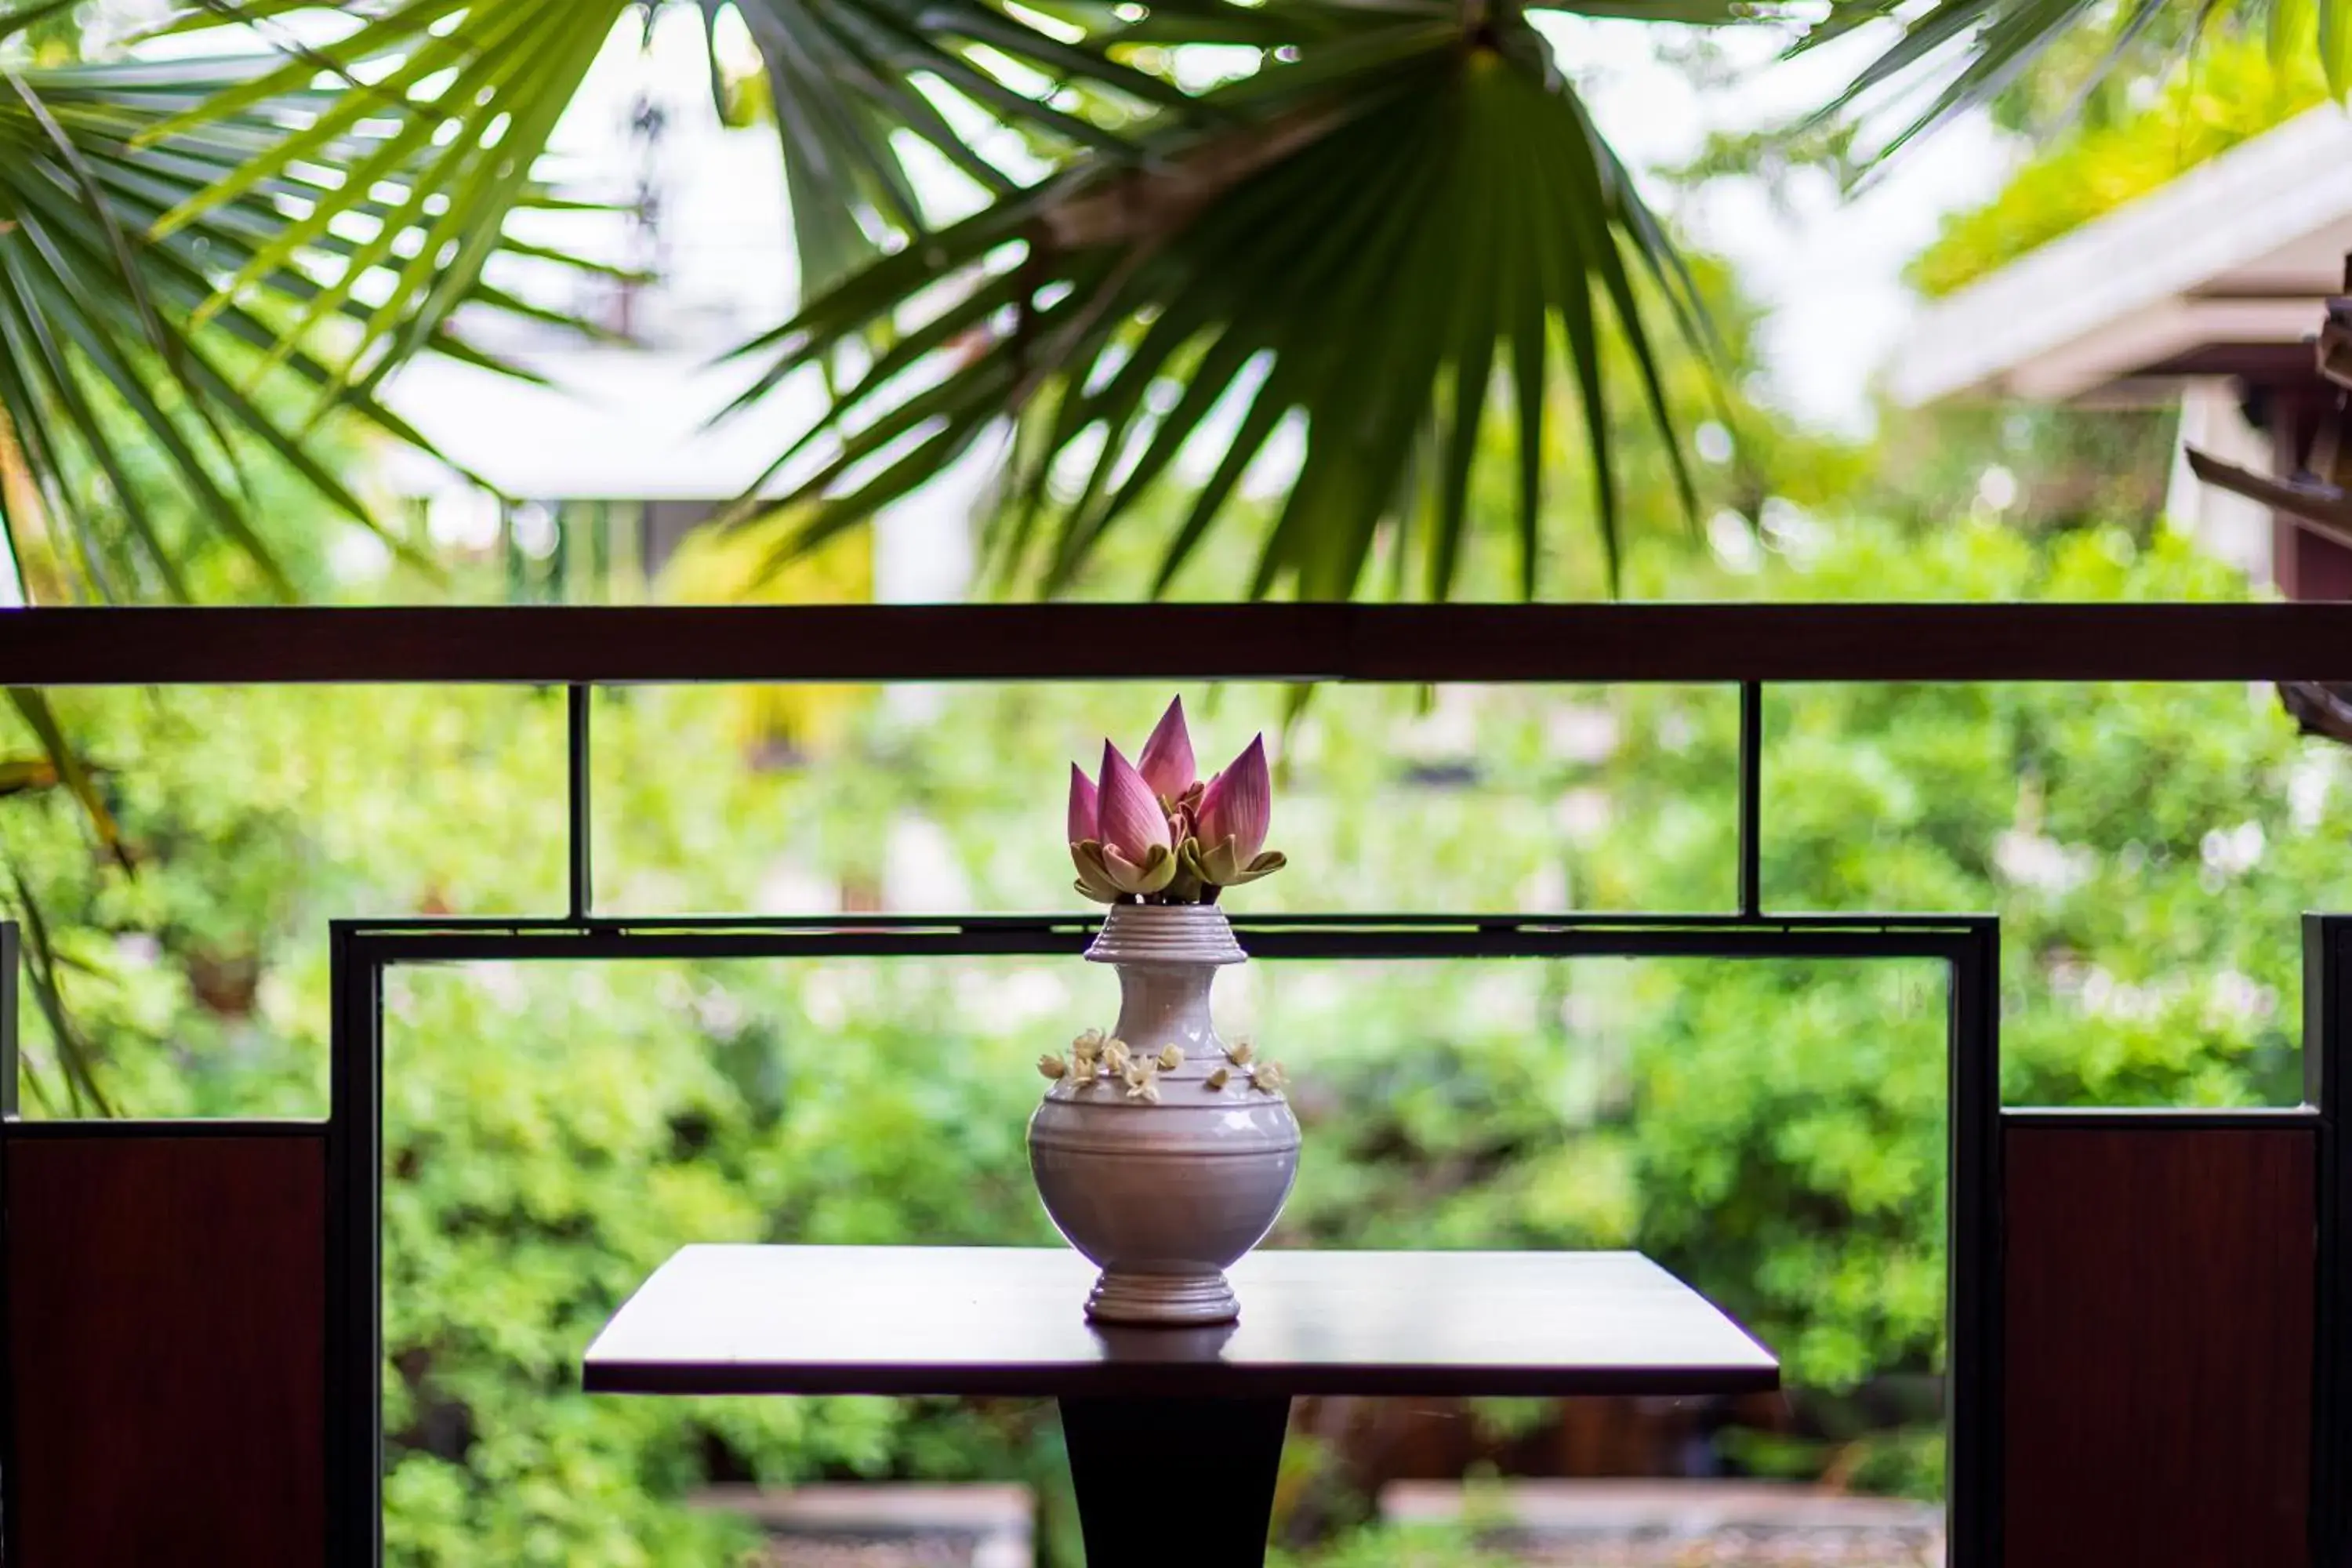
[
  {"x": 1957, "y": 55},
  {"x": 104, "y": 369},
  {"x": 1350, "y": 249},
  {"x": 473, "y": 89},
  {"x": 78, "y": 1057}
]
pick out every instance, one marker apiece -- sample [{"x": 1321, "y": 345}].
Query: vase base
[{"x": 1175, "y": 1299}]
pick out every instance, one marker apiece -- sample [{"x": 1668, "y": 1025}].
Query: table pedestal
[{"x": 1187, "y": 1481}]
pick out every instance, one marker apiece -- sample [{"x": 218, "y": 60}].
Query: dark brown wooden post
[
  {"x": 2159, "y": 1291},
  {"x": 166, "y": 1343}
]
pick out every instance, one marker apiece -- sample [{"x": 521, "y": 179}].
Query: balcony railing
[{"x": 2177, "y": 1415}]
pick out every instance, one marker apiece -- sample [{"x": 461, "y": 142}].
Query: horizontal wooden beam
[{"x": 1395, "y": 643}]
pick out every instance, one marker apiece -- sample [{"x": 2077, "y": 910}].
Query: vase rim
[{"x": 1165, "y": 934}]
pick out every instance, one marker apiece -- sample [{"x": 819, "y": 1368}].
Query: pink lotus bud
[
  {"x": 1128, "y": 817},
  {"x": 1239, "y": 804},
  {"x": 1166, "y": 762},
  {"x": 1082, "y": 805}
]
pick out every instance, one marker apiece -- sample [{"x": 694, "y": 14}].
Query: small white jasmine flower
[
  {"x": 1216, "y": 1080},
  {"x": 1142, "y": 1084},
  {"x": 1172, "y": 1057},
  {"x": 1271, "y": 1077},
  {"x": 1051, "y": 1066},
  {"x": 1240, "y": 1052},
  {"x": 1115, "y": 1056}
]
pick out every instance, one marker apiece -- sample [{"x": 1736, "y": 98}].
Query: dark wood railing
[
  {"x": 2146, "y": 1322},
  {"x": 1402, "y": 643}
]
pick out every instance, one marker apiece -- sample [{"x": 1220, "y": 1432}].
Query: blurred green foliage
[
  {"x": 1773, "y": 1133},
  {"x": 2225, "y": 90}
]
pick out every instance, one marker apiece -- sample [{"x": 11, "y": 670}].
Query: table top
[{"x": 983, "y": 1321}]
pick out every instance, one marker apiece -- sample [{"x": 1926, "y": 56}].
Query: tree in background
[{"x": 1382, "y": 226}]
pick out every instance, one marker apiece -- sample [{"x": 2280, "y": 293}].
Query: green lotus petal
[
  {"x": 1095, "y": 879},
  {"x": 1266, "y": 865},
  {"x": 1158, "y": 869},
  {"x": 1187, "y": 884},
  {"x": 1219, "y": 864}
]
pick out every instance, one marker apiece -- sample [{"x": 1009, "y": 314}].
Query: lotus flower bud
[
  {"x": 1138, "y": 851},
  {"x": 1172, "y": 1057},
  {"x": 1239, "y": 804},
  {"x": 1271, "y": 1077},
  {"x": 1240, "y": 1052},
  {"x": 1228, "y": 843},
  {"x": 1051, "y": 1066},
  {"x": 1218, "y": 1080},
  {"x": 1166, "y": 760}
]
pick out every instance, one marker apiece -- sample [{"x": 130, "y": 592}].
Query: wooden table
[{"x": 1175, "y": 1434}]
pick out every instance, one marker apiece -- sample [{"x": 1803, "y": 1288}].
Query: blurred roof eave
[{"x": 2221, "y": 272}]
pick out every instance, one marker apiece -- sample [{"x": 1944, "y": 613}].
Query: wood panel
[
  {"x": 2308, "y": 566},
  {"x": 1716, "y": 642},
  {"x": 166, "y": 1310},
  {"x": 2158, "y": 1345}
]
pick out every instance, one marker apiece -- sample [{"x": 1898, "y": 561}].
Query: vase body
[{"x": 1163, "y": 1196}]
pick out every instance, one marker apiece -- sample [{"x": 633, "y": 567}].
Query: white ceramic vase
[{"x": 1162, "y": 1195}]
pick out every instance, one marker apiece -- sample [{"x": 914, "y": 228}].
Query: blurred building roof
[{"x": 2219, "y": 273}]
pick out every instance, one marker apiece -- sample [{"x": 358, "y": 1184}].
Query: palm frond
[
  {"x": 78, "y": 1057},
  {"x": 457, "y": 102},
  {"x": 108, "y": 358},
  {"x": 1955, "y": 56},
  {"x": 1349, "y": 249},
  {"x": 472, "y": 90},
  {"x": 67, "y": 767}
]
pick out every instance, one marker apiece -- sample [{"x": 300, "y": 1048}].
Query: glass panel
[
  {"x": 192, "y": 957},
  {"x": 2149, "y": 849},
  {"x": 784, "y": 799},
  {"x": 1773, "y": 1133}
]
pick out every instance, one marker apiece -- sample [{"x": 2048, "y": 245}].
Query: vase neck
[{"x": 1167, "y": 1004}]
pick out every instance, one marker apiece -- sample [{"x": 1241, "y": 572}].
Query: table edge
[{"x": 1173, "y": 1380}]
